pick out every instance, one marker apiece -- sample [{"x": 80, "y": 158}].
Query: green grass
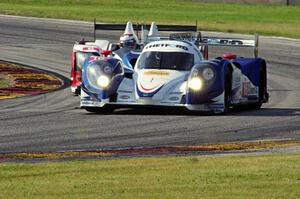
[
  {"x": 263, "y": 19},
  {"x": 254, "y": 176}
]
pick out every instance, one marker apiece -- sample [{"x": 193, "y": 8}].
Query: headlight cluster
[
  {"x": 208, "y": 74},
  {"x": 199, "y": 76},
  {"x": 195, "y": 83},
  {"x": 99, "y": 74},
  {"x": 103, "y": 81}
]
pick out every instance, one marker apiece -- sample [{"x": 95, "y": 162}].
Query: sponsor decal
[
  {"x": 107, "y": 69},
  {"x": 145, "y": 95},
  {"x": 147, "y": 92},
  {"x": 222, "y": 41},
  {"x": 176, "y": 93},
  {"x": 149, "y": 89},
  {"x": 252, "y": 91},
  {"x": 93, "y": 58},
  {"x": 245, "y": 90},
  {"x": 90, "y": 48},
  {"x": 216, "y": 106},
  {"x": 90, "y": 103},
  {"x": 156, "y": 72},
  {"x": 124, "y": 97},
  {"x": 167, "y": 45},
  {"x": 174, "y": 98},
  {"x": 123, "y": 91}
]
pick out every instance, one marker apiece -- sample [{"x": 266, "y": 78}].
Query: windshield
[
  {"x": 82, "y": 56},
  {"x": 166, "y": 60}
]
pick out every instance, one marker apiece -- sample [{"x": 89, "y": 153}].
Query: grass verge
[
  {"x": 17, "y": 81},
  {"x": 167, "y": 150},
  {"x": 241, "y": 18},
  {"x": 254, "y": 176}
]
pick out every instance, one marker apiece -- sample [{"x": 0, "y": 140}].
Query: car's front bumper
[{"x": 216, "y": 108}]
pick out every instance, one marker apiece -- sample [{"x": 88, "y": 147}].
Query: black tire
[
  {"x": 261, "y": 90},
  {"x": 103, "y": 110},
  {"x": 78, "y": 91}
]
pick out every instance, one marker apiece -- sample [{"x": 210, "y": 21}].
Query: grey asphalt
[{"x": 53, "y": 121}]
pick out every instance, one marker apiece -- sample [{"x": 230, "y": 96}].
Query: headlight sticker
[
  {"x": 208, "y": 74},
  {"x": 107, "y": 69}
]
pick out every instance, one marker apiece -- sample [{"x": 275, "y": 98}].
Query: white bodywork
[
  {"x": 242, "y": 87},
  {"x": 169, "y": 86}
]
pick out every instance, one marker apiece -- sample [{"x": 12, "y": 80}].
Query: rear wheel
[
  {"x": 262, "y": 89},
  {"x": 256, "y": 105}
]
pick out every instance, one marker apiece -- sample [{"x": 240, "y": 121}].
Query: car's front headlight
[
  {"x": 208, "y": 74},
  {"x": 195, "y": 83},
  {"x": 98, "y": 75},
  {"x": 103, "y": 81}
]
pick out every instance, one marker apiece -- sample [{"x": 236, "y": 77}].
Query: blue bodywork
[
  {"x": 116, "y": 73},
  {"x": 121, "y": 67},
  {"x": 251, "y": 68},
  {"x": 212, "y": 88}
]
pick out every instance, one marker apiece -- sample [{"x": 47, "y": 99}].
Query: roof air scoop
[
  {"x": 153, "y": 30},
  {"x": 129, "y": 31}
]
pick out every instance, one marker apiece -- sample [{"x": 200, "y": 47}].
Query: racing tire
[
  {"x": 98, "y": 110},
  {"x": 77, "y": 91},
  {"x": 261, "y": 90},
  {"x": 255, "y": 106}
]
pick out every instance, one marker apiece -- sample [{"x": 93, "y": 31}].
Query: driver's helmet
[{"x": 128, "y": 41}]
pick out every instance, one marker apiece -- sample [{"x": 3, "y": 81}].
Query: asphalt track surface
[{"x": 53, "y": 121}]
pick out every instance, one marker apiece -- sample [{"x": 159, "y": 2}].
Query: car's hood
[{"x": 152, "y": 80}]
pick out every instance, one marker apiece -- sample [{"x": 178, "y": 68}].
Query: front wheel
[{"x": 103, "y": 110}]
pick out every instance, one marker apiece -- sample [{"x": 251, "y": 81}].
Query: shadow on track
[
  {"x": 270, "y": 112},
  {"x": 263, "y": 112}
]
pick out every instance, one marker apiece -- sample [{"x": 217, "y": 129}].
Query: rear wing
[
  {"x": 197, "y": 39},
  {"x": 137, "y": 27},
  {"x": 186, "y": 36},
  {"x": 217, "y": 41}
]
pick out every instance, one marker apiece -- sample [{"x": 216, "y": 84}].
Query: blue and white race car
[{"x": 175, "y": 73}]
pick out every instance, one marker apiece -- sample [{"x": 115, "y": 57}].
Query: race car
[
  {"x": 174, "y": 73},
  {"x": 81, "y": 51},
  {"x": 128, "y": 48}
]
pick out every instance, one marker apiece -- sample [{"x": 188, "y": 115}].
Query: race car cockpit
[{"x": 166, "y": 60}]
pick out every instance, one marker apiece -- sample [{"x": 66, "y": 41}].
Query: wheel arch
[{"x": 263, "y": 95}]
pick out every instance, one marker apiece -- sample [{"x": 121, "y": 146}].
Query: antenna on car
[
  {"x": 256, "y": 40},
  {"x": 94, "y": 29}
]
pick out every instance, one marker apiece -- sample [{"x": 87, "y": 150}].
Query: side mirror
[
  {"x": 114, "y": 47},
  {"x": 204, "y": 50},
  {"x": 106, "y": 52}
]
